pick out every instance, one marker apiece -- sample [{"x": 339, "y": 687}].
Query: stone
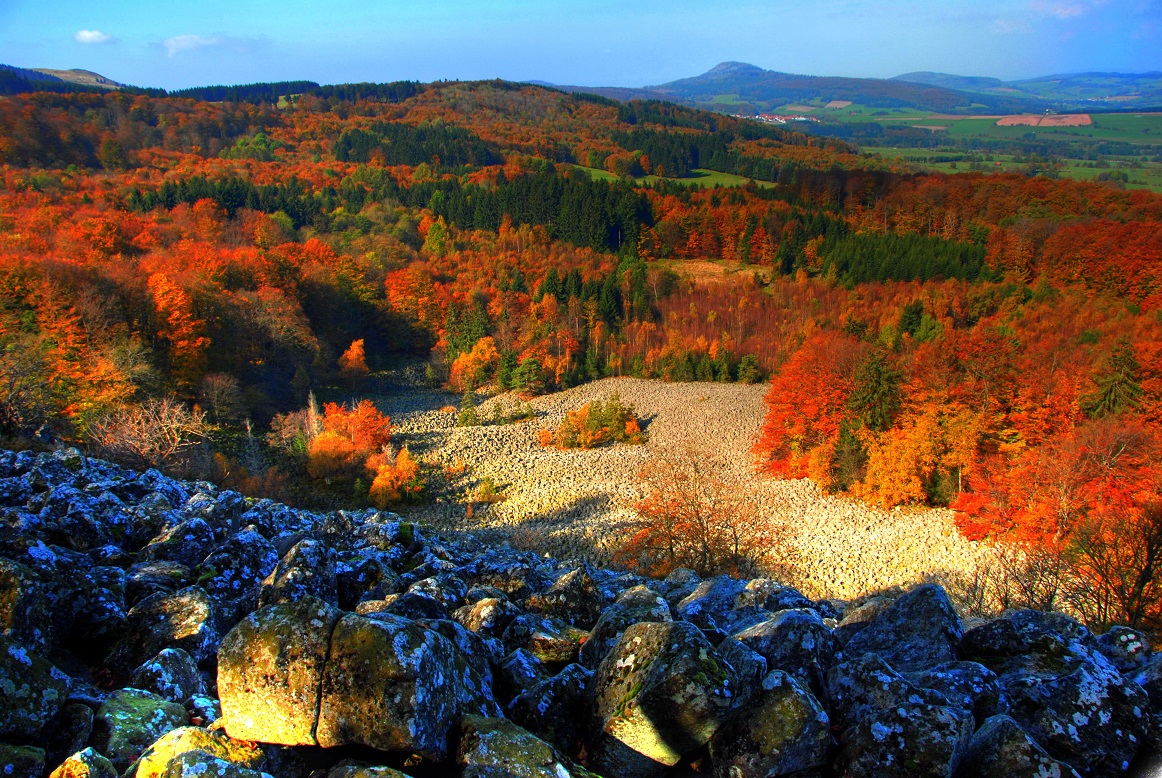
[
  {"x": 554, "y": 709},
  {"x": 86, "y": 763},
  {"x": 232, "y": 574},
  {"x": 549, "y": 640},
  {"x": 130, "y": 721},
  {"x": 518, "y": 672},
  {"x": 156, "y": 759},
  {"x": 67, "y": 732},
  {"x": 184, "y": 619},
  {"x": 364, "y": 574},
  {"x": 188, "y": 544},
  {"x": 918, "y": 631},
  {"x": 574, "y": 598},
  {"x": 21, "y": 761},
  {"x": 306, "y": 570},
  {"x": 785, "y": 730},
  {"x": 910, "y": 741},
  {"x": 351, "y": 768},
  {"x": 855, "y": 618},
  {"x": 1127, "y": 649},
  {"x": 146, "y": 579},
  {"x": 172, "y": 675},
  {"x": 495, "y": 748},
  {"x": 391, "y": 685},
  {"x": 446, "y": 589},
  {"x": 414, "y": 605},
  {"x": 270, "y": 672},
  {"x": 795, "y": 641},
  {"x": 749, "y": 668},
  {"x": 633, "y": 605},
  {"x": 1000, "y": 748},
  {"x": 26, "y": 607},
  {"x": 32, "y": 690},
  {"x": 489, "y": 616},
  {"x": 101, "y": 618},
  {"x": 722, "y": 605},
  {"x": 481, "y": 653},
  {"x": 662, "y": 691},
  {"x": 1087, "y": 714},
  {"x": 967, "y": 685},
  {"x": 1027, "y": 641},
  {"x": 197, "y": 764},
  {"x": 860, "y": 687}
]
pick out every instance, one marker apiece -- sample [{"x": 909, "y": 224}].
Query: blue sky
[{"x": 598, "y": 43}]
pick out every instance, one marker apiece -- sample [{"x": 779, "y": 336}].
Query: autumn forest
[{"x": 240, "y": 264}]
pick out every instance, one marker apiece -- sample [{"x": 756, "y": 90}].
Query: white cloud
[
  {"x": 180, "y": 43},
  {"x": 92, "y": 36}
]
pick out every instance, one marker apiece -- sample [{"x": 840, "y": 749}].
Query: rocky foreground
[{"x": 150, "y": 627}]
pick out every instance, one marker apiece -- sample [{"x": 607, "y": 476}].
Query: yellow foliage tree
[
  {"x": 900, "y": 461},
  {"x": 395, "y": 480},
  {"x": 473, "y": 368}
]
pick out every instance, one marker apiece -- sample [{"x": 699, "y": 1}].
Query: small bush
[{"x": 595, "y": 424}]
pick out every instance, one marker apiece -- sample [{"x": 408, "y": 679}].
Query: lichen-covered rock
[
  {"x": 749, "y": 668},
  {"x": 67, "y": 732},
  {"x": 1127, "y": 649},
  {"x": 967, "y": 685},
  {"x": 859, "y": 687},
  {"x": 172, "y": 675},
  {"x": 232, "y": 574},
  {"x": 1087, "y": 714},
  {"x": 306, "y": 570},
  {"x": 32, "y": 690},
  {"x": 146, "y": 579},
  {"x": 784, "y": 731},
  {"x": 574, "y": 598},
  {"x": 156, "y": 759},
  {"x": 633, "y": 605},
  {"x": 494, "y": 747},
  {"x": 554, "y": 709},
  {"x": 858, "y": 616},
  {"x": 1027, "y": 641},
  {"x": 392, "y": 685},
  {"x": 488, "y": 616},
  {"x": 270, "y": 672},
  {"x": 26, "y": 607},
  {"x": 918, "y": 631},
  {"x": 481, "y": 653},
  {"x": 101, "y": 614},
  {"x": 197, "y": 764},
  {"x": 678, "y": 585},
  {"x": 722, "y": 605},
  {"x": 86, "y": 763},
  {"x": 446, "y": 589},
  {"x": 795, "y": 641},
  {"x": 1149, "y": 678},
  {"x": 518, "y": 672},
  {"x": 910, "y": 741},
  {"x": 184, "y": 619},
  {"x": 411, "y": 605},
  {"x": 21, "y": 761},
  {"x": 351, "y": 768},
  {"x": 662, "y": 691},
  {"x": 130, "y": 721},
  {"x": 549, "y": 640},
  {"x": 187, "y": 544},
  {"x": 1000, "y": 748},
  {"x": 364, "y": 574}
]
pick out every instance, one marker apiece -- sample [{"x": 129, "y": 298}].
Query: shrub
[
  {"x": 595, "y": 424},
  {"x": 157, "y": 433}
]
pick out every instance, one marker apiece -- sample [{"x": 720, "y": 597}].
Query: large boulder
[
  {"x": 157, "y": 758},
  {"x": 489, "y": 616},
  {"x": 574, "y": 598},
  {"x": 784, "y": 731},
  {"x": 967, "y": 685},
  {"x": 661, "y": 692},
  {"x": 185, "y": 620},
  {"x": 554, "y": 709},
  {"x": 130, "y": 721},
  {"x": 306, "y": 570},
  {"x": 232, "y": 574},
  {"x": 197, "y": 764},
  {"x": 27, "y": 607},
  {"x": 912, "y": 740},
  {"x": 1027, "y": 641},
  {"x": 351, "y": 768},
  {"x": 172, "y": 675},
  {"x": 549, "y": 640},
  {"x": 633, "y": 605},
  {"x": 187, "y": 544},
  {"x": 495, "y": 747},
  {"x": 859, "y": 687},
  {"x": 32, "y": 690},
  {"x": 918, "y": 631},
  {"x": 270, "y": 672},
  {"x": 1127, "y": 649},
  {"x": 795, "y": 641},
  {"x": 721, "y": 605},
  {"x": 85, "y": 763},
  {"x": 392, "y": 685},
  {"x": 1001, "y": 748}
]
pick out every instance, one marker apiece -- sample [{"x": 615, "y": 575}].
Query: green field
[{"x": 700, "y": 178}]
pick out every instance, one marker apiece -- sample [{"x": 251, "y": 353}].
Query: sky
[{"x": 168, "y": 44}]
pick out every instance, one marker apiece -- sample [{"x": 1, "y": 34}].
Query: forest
[{"x": 990, "y": 343}]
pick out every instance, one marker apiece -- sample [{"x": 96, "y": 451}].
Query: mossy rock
[
  {"x": 496, "y": 746},
  {"x": 156, "y": 759},
  {"x": 199, "y": 764},
  {"x": 32, "y": 690},
  {"x": 85, "y": 764},
  {"x": 352, "y": 768},
  {"x": 130, "y": 721},
  {"x": 21, "y": 761}
]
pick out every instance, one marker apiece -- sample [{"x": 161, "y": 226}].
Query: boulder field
[{"x": 157, "y": 628}]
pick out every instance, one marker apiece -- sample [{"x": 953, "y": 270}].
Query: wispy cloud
[
  {"x": 92, "y": 36},
  {"x": 1065, "y": 9},
  {"x": 1008, "y": 26},
  {"x": 180, "y": 43}
]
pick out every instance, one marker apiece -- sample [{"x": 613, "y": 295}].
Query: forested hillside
[{"x": 988, "y": 342}]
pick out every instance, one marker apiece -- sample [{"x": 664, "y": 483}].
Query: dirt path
[{"x": 578, "y": 503}]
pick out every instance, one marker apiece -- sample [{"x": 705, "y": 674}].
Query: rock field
[{"x": 579, "y": 503}]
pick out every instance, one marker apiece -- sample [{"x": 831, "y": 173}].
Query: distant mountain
[
  {"x": 744, "y": 86},
  {"x": 81, "y": 77},
  {"x": 1072, "y": 90}
]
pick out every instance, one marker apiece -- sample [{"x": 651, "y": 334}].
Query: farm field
[{"x": 700, "y": 178}]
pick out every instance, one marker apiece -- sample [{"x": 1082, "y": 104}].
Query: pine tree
[
  {"x": 1118, "y": 388},
  {"x": 875, "y": 400}
]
